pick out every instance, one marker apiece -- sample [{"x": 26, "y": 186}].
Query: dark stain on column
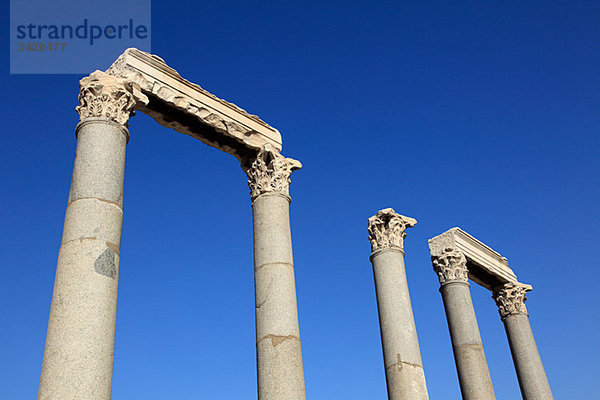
[{"x": 105, "y": 264}]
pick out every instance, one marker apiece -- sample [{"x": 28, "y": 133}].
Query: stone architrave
[
  {"x": 279, "y": 355},
  {"x": 489, "y": 269},
  {"x": 533, "y": 382},
  {"x": 187, "y": 108},
  {"x": 486, "y": 267},
  {"x": 78, "y": 356},
  {"x": 450, "y": 265},
  {"x": 402, "y": 357}
]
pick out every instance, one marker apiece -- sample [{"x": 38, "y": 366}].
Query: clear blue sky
[{"x": 483, "y": 115}]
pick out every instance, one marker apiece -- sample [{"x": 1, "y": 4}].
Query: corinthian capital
[
  {"x": 270, "y": 172},
  {"x": 105, "y": 96},
  {"x": 450, "y": 265},
  {"x": 510, "y": 299},
  {"x": 386, "y": 229}
]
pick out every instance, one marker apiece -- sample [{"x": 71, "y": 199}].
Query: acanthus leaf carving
[
  {"x": 510, "y": 298},
  {"x": 450, "y": 265},
  {"x": 105, "y": 96},
  {"x": 387, "y": 229},
  {"x": 270, "y": 172}
]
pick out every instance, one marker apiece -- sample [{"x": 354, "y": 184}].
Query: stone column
[
  {"x": 473, "y": 373},
  {"x": 401, "y": 354},
  {"x": 279, "y": 356},
  {"x": 78, "y": 358},
  {"x": 510, "y": 299}
]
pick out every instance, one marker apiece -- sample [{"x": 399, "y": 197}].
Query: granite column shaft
[
  {"x": 473, "y": 373},
  {"x": 78, "y": 356},
  {"x": 402, "y": 357},
  {"x": 533, "y": 382},
  {"x": 279, "y": 354}
]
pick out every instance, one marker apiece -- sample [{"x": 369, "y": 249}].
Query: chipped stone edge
[{"x": 155, "y": 78}]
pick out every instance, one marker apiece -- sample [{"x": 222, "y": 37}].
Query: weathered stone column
[
  {"x": 279, "y": 356},
  {"x": 78, "y": 358},
  {"x": 401, "y": 354},
  {"x": 473, "y": 373},
  {"x": 510, "y": 299}
]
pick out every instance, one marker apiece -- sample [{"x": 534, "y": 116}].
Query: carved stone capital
[
  {"x": 450, "y": 265},
  {"x": 270, "y": 172},
  {"x": 510, "y": 299},
  {"x": 105, "y": 96},
  {"x": 386, "y": 229}
]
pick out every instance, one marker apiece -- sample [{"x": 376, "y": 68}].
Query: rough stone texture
[
  {"x": 105, "y": 96},
  {"x": 471, "y": 364},
  {"x": 402, "y": 357},
  {"x": 270, "y": 172},
  {"x": 510, "y": 299},
  {"x": 78, "y": 356},
  {"x": 189, "y": 109},
  {"x": 528, "y": 364},
  {"x": 279, "y": 355},
  {"x": 386, "y": 229},
  {"x": 450, "y": 266}
]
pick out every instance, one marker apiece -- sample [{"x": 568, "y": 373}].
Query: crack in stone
[
  {"x": 399, "y": 364},
  {"x": 274, "y": 263},
  {"x": 80, "y": 239},
  {"x": 114, "y": 203},
  {"x": 267, "y": 295},
  {"x": 470, "y": 345},
  {"x": 276, "y": 340}
]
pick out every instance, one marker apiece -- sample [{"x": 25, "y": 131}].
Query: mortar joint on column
[
  {"x": 282, "y": 263},
  {"x": 386, "y": 249},
  {"x": 100, "y": 120},
  {"x": 112, "y": 203},
  {"x": 276, "y": 340}
]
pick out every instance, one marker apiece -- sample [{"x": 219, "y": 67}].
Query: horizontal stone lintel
[
  {"x": 486, "y": 266},
  {"x": 187, "y": 108}
]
